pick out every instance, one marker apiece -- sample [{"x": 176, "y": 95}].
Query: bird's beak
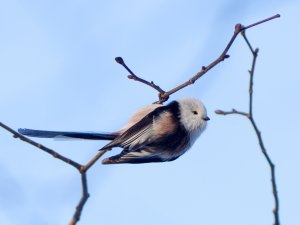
[{"x": 206, "y": 118}]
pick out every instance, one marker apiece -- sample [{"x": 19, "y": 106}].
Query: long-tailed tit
[{"x": 155, "y": 133}]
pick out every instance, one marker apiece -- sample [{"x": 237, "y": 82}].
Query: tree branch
[
  {"x": 81, "y": 168},
  {"x": 136, "y": 78},
  {"x": 164, "y": 96},
  {"x": 92, "y": 161},
  {"x": 84, "y": 198},
  {"x": 42, "y": 147},
  {"x": 233, "y": 111},
  {"x": 249, "y": 115}
]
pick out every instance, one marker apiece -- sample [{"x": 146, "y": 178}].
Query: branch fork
[
  {"x": 163, "y": 96},
  {"x": 249, "y": 116}
]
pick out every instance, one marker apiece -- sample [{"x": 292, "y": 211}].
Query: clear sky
[{"x": 58, "y": 72}]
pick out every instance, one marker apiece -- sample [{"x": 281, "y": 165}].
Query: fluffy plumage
[{"x": 155, "y": 133}]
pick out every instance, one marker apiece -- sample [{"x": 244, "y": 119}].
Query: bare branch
[
  {"x": 262, "y": 21},
  {"x": 164, "y": 96},
  {"x": 42, "y": 147},
  {"x": 272, "y": 168},
  {"x": 81, "y": 168},
  {"x": 233, "y": 111},
  {"x": 84, "y": 198},
  {"x": 249, "y": 115},
  {"x": 92, "y": 161},
  {"x": 136, "y": 78},
  {"x": 243, "y": 33}
]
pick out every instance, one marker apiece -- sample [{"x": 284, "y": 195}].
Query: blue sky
[{"x": 58, "y": 72}]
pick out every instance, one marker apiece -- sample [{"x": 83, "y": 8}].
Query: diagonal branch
[
  {"x": 272, "y": 168},
  {"x": 249, "y": 115},
  {"x": 136, "y": 78},
  {"x": 42, "y": 147},
  {"x": 92, "y": 161},
  {"x": 164, "y": 96}
]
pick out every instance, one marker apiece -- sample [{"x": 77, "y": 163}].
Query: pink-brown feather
[
  {"x": 140, "y": 114},
  {"x": 167, "y": 125}
]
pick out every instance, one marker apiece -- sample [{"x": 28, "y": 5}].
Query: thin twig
[
  {"x": 164, "y": 96},
  {"x": 136, "y": 78},
  {"x": 243, "y": 33},
  {"x": 251, "y": 72},
  {"x": 92, "y": 161},
  {"x": 233, "y": 111},
  {"x": 249, "y": 115},
  {"x": 262, "y": 21},
  {"x": 42, "y": 147},
  {"x": 272, "y": 168},
  {"x": 84, "y": 198}
]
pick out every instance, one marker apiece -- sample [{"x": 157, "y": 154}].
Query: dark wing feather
[
  {"x": 134, "y": 157},
  {"x": 146, "y": 155}
]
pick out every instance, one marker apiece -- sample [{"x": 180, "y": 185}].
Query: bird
[{"x": 155, "y": 133}]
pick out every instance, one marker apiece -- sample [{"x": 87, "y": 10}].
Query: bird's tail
[{"x": 66, "y": 134}]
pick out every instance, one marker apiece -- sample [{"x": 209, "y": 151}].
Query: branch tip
[
  {"x": 238, "y": 27},
  {"x": 262, "y": 21},
  {"x": 219, "y": 112},
  {"x": 119, "y": 60}
]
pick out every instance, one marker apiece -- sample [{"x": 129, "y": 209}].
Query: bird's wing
[
  {"x": 67, "y": 134},
  {"x": 145, "y": 155},
  {"x": 169, "y": 149},
  {"x": 153, "y": 126},
  {"x": 137, "y": 116}
]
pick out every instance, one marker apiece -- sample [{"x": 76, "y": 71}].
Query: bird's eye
[{"x": 195, "y": 112}]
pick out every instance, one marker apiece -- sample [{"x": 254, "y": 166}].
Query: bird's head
[{"x": 193, "y": 115}]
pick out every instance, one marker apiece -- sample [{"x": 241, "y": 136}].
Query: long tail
[{"x": 63, "y": 134}]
